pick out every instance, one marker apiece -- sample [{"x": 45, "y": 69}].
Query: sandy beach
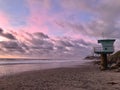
[{"x": 83, "y": 77}]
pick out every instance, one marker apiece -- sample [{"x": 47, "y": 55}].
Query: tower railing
[{"x": 100, "y": 49}]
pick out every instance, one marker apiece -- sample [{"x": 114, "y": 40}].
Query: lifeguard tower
[{"x": 107, "y": 47}]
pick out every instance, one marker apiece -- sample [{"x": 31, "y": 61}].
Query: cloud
[
  {"x": 45, "y": 4},
  {"x": 81, "y": 21},
  {"x": 40, "y": 35},
  {"x": 1, "y": 30},
  {"x": 105, "y": 17},
  {"x": 27, "y": 16},
  {"x": 69, "y": 47},
  {"x": 44, "y": 13},
  {"x": 12, "y": 48},
  {"x": 38, "y": 16},
  {"x": 4, "y": 20},
  {"x": 7, "y": 35},
  {"x": 41, "y": 45},
  {"x": 76, "y": 4}
]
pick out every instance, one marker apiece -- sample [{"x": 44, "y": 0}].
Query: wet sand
[{"x": 83, "y": 77}]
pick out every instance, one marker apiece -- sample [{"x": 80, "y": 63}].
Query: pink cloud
[
  {"x": 4, "y": 20},
  {"x": 40, "y": 16},
  {"x": 36, "y": 22}
]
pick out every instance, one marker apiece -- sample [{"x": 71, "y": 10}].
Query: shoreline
[
  {"x": 80, "y": 77},
  {"x": 8, "y": 68}
]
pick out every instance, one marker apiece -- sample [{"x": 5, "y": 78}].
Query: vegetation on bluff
[
  {"x": 115, "y": 57},
  {"x": 114, "y": 60}
]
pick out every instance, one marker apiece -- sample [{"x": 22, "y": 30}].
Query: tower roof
[{"x": 106, "y": 40}]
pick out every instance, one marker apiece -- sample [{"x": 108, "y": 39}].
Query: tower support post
[{"x": 104, "y": 62}]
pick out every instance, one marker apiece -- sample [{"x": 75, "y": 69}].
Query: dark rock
[
  {"x": 112, "y": 83},
  {"x": 97, "y": 62},
  {"x": 117, "y": 70},
  {"x": 114, "y": 66},
  {"x": 92, "y": 57}
]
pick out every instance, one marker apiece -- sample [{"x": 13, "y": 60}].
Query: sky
[{"x": 56, "y": 28}]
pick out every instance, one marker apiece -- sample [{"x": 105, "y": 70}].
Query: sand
[{"x": 85, "y": 77}]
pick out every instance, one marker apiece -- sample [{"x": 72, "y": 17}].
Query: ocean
[{"x": 8, "y": 67}]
